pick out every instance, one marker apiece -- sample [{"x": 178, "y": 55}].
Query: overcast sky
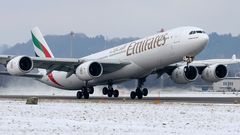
[{"x": 114, "y": 18}]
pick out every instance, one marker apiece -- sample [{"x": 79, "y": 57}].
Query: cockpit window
[
  {"x": 197, "y": 31},
  {"x": 192, "y": 32}
]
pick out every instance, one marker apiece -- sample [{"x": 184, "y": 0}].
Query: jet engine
[
  {"x": 184, "y": 74},
  {"x": 89, "y": 70},
  {"x": 214, "y": 73},
  {"x": 20, "y": 65}
]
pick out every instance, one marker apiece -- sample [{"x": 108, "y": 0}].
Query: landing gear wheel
[
  {"x": 115, "y": 93},
  {"x": 86, "y": 95},
  {"x": 138, "y": 90},
  {"x": 79, "y": 95},
  {"x": 105, "y": 91},
  {"x": 110, "y": 93},
  {"x": 91, "y": 90},
  {"x": 140, "y": 95},
  {"x": 145, "y": 92},
  {"x": 133, "y": 95}
]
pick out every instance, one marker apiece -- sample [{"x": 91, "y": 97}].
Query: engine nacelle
[
  {"x": 214, "y": 73},
  {"x": 89, "y": 70},
  {"x": 184, "y": 74},
  {"x": 20, "y": 65}
]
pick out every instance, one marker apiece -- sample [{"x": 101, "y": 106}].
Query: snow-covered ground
[
  {"x": 123, "y": 118},
  {"x": 41, "y": 89}
]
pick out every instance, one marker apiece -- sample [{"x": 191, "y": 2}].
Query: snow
[
  {"x": 118, "y": 117},
  {"x": 44, "y": 90}
]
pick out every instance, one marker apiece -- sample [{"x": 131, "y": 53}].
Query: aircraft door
[
  {"x": 177, "y": 38},
  {"x": 176, "y": 42}
]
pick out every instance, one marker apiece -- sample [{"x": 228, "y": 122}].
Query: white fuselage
[{"x": 146, "y": 55}]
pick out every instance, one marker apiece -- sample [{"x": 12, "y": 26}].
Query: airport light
[{"x": 71, "y": 43}]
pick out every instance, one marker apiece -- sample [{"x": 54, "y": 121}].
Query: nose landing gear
[{"x": 188, "y": 59}]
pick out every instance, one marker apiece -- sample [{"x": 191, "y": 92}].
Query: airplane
[{"x": 170, "y": 52}]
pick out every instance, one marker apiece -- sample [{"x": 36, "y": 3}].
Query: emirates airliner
[{"x": 170, "y": 52}]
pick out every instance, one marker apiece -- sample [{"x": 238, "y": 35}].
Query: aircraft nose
[{"x": 204, "y": 38}]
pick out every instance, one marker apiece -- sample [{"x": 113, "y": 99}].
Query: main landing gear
[
  {"x": 85, "y": 92},
  {"x": 110, "y": 91},
  {"x": 139, "y": 92}
]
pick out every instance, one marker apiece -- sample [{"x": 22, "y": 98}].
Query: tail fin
[{"x": 40, "y": 46}]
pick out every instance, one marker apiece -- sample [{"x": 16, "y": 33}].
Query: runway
[{"x": 222, "y": 100}]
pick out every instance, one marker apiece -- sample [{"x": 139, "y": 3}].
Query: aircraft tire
[
  {"x": 91, "y": 90},
  {"x": 145, "y": 92},
  {"x": 133, "y": 95},
  {"x": 79, "y": 95},
  {"x": 115, "y": 93},
  {"x": 138, "y": 90},
  {"x": 110, "y": 93},
  {"x": 140, "y": 95},
  {"x": 86, "y": 95},
  {"x": 105, "y": 91}
]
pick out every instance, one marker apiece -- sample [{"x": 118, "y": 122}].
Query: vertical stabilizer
[{"x": 41, "y": 48}]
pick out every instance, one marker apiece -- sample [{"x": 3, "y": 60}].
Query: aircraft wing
[
  {"x": 69, "y": 64},
  {"x": 30, "y": 75},
  {"x": 111, "y": 65},
  {"x": 204, "y": 63},
  {"x": 199, "y": 64},
  {"x": 59, "y": 64}
]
